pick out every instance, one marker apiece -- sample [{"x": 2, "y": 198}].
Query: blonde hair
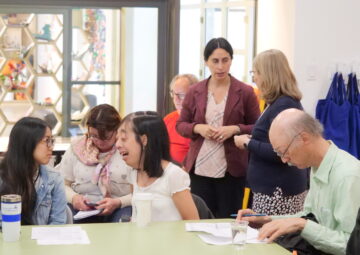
[
  {"x": 276, "y": 75},
  {"x": 190, "y": 77}
]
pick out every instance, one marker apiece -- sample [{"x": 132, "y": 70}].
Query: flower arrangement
[{"x": 13, "y": 75}]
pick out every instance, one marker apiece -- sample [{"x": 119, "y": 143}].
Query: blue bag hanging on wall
[
  {"x": 333, "y": 113},
  {"x": 354, "y": 116}
]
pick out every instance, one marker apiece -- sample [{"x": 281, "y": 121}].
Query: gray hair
[
  {"x": 190, "y": 77},
  {"x": 305, "y": 122}
]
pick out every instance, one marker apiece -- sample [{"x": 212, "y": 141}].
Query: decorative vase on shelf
[{"x": 46, "y": 35}]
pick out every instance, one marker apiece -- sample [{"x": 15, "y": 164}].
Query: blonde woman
[{"x": 278, "y": 188}]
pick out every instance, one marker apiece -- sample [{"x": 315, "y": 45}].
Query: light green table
[{"x": 160, "y": 238}]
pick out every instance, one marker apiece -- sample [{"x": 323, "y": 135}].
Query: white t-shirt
[{"x": 174, "y": 179}]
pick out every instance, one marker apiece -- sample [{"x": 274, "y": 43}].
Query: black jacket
[{"x": 353, "y": 246}]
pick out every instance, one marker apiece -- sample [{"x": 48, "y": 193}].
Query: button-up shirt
[{"x": 334, "y": 199}]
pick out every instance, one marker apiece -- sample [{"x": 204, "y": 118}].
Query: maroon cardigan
[{"x": 241, "y": 109}]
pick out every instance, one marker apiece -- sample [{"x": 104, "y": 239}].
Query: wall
[
  {"x": 316, "y": 36},
  {"x": 325, "y": 35},
  {"x": 275, "y": 26},
  {"x": 141, "y": 59}
]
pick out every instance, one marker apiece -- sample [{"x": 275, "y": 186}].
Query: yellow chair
[{"x": 246, "y": 198}]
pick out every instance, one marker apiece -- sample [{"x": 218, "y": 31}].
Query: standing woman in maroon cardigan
[{"x": 214, "y": 110}]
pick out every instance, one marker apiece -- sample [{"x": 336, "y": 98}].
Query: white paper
[
  {"x": 216, "y": 229},
  {"x": 220, "y": 233},
  {"x": 84, "y": 214},
  {"x": 59, "y": 235},
  {"x": 215, "y": 240}
]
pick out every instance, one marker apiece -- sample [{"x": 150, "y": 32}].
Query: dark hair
[
  {"x": 103, "y": 118},
  {"x": 18, "y": 168},
  {"x": 149, "y": 123},
  {"x": 217, "y": 43}
]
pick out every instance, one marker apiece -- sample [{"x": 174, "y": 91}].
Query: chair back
[
  {"x": 203, "y": 209},
  {"x": 69, "y": 215}
]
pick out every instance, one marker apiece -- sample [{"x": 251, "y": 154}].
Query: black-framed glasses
[
  {"x": 49, "y": 141},
  {"x": 283, "y": 154},
  {"x": 180, "y": 96}
]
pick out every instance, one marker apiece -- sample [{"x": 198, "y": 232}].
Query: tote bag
[
  {"x": 354, "y": 116},
  {"x": 333, "y": 113}
]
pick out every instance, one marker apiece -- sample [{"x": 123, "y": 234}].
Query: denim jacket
[{"x": 50, "y": 207}]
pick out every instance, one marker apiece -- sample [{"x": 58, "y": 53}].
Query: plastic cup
[
  {"x": 143, "y": 208},
  {"x": 11, "y": 217},
  {"x": 239, "y": 231}
]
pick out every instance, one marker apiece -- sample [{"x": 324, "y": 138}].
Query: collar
[
  {"x": 322, "y": 173},
  {"x": 204, "y": 87},
  {"x": 43, "y": 174}
]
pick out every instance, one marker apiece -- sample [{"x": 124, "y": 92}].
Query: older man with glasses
[
  {"x": 334, "y": 195},
  {"x": 179, "y": 86}
]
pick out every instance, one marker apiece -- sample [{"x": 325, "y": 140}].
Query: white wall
[
  {"x": 315, "y": 35},
  {"x": 141, "y": 59},
  {"x": 275, "y": 26},
  {"x": 326, "y": 33}
]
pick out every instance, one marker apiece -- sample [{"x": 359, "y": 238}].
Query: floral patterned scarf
[{"x": 86, "y": 151}]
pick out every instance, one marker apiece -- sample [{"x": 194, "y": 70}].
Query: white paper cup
[
  {"x": 11, "y": 217},
  {"x": 143, "y": 208}
]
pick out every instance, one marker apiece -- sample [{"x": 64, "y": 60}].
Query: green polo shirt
[{"x": 334, "y": 199}]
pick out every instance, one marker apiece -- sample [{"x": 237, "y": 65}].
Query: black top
[{"x": 266, "y": 171}]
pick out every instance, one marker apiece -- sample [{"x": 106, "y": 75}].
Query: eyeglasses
[
  {"x": 95, "y": 137},
  {"x": 180, "y": 96},
  {"x": 49, "y": 141},
  {"x": 252, "y": 72},
  {"x": 281, "y": 155}
]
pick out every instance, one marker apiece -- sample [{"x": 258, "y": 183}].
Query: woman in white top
[
  {"x": 95, "y": 175},
  {"x": 143, "y": 143}
]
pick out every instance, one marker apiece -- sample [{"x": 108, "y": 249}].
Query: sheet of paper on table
[
  {"x": 59, "y": 235},
  {"x": 220, "y": 233}
]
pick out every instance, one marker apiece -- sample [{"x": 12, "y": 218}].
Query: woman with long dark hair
[
  {"x": 143, "y": 142},
  {"x": 23, "y": 172}
]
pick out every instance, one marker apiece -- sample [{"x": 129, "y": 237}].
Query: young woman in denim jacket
[{"x": 23, "y": 172}]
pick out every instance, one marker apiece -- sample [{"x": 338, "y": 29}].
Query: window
[
  {"x": 58, "y": 63},
  {"x": 203, "y": 20}
]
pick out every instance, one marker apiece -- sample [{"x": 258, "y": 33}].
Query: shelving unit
[{"x": 31, "y": 67}]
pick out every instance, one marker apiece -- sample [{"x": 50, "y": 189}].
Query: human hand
[
  {"x": 205, "y": 130},
  {"x": 78, "y": 202},
  {"x": 239, "y": 141},
  {"x": 225, "y": 132},
  {"x": 108, "y": 205},
  {"x": 276, "y": 228},
  {"x": 254, "y": 221}
]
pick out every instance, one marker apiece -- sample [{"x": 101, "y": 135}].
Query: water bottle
[{"x": 11, "y": 217}]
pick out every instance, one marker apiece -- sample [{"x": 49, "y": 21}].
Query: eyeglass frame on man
[
  {"x": 180, "y": 96},
  {"x": 281, "y": 155},
  {"x": 49, "y": 141}
]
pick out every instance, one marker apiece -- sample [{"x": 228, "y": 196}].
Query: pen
[{"x": 249, "y": 215}]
